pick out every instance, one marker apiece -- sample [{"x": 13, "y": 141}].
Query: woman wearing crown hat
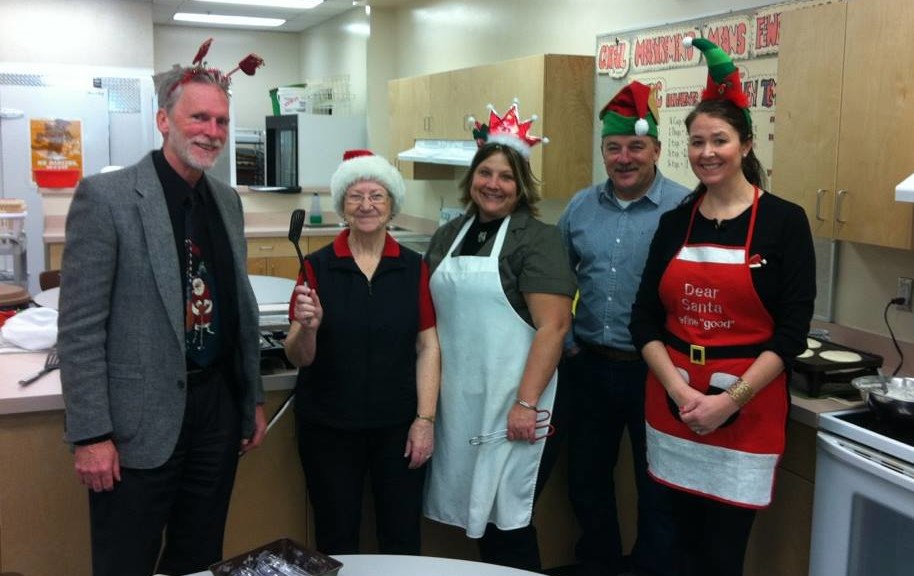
[
  {"x": 724, "y": 306},
  {"x": 502, "y": 289},
  {"x": 363, "y": 329}
]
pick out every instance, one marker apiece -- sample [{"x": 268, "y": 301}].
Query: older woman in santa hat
[{"x": 363, "y": 332}]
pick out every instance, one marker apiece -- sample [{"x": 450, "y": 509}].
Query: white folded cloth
[{"x": 32, "y": 329}]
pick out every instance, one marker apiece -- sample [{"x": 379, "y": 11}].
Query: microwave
[
  {"x": 282, "y": 151},
  {"x": 304, "y": 150}
]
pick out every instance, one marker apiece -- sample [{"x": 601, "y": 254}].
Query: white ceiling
[{"x": 296, "y": 20}]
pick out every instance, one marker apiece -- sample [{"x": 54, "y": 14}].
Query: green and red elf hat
[
  {"x": 723, "y": 77},
  {"x": 631, "y": 112}
]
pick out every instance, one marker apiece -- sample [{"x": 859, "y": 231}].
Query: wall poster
[
  {"x": 56, "y": 144},
  {"x": 656, "y": 57}
]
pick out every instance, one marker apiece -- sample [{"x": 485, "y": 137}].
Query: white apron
[{"x": 484, "y": 347}]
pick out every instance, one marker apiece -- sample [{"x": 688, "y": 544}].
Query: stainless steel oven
[{"x": 863, "y": 512}]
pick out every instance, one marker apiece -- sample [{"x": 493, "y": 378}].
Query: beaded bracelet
[{"x": 741, "y": 392}]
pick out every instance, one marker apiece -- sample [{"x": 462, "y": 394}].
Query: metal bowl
[{"x": 888, "y": 397}]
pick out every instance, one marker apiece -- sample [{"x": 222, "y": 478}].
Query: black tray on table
[{"x": 310, "y": 561}]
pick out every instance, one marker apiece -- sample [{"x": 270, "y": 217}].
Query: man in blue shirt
[{"x": 608, "y": 229}]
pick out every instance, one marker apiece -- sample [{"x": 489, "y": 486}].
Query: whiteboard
[{"x": 654, "y": 56}]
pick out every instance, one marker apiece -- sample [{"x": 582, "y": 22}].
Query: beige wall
[
  {"x": 339, "y": 47},
  {"x": 432, "y": 36},
  {"x": 439, "y": 35},
  {"x": 866, "y": 282},
  {"x": 250, "y": 94},
  {"x": 87, "y": 32}
]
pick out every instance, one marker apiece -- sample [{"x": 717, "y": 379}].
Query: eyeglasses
[{"x": 374, "y": 199}]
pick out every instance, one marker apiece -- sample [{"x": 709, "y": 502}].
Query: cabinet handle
[
  {"x": 820, "y": 193},
  {"x": 263, "y": 248},
  {"x": 839, "y": 206},
  {"x": 429, "y": 123}
]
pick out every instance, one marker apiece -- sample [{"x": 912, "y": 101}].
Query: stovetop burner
[
  {"x": 864, "y": 427},
  {"x": 893, "y": 429}
]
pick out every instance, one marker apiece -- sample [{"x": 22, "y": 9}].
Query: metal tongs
[
  {"x": 542, "y": 423},
  {"x": 296, "y": 223},
  {"x": 883, "y": 380}
]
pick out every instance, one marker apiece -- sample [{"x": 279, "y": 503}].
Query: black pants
[
  {"x": 714, "y": 535},
  {"x": 519, "y": 548},
  {"x": 336, "y": 463},
  {"x": 187, "y": 497},
  {"x": 606, "y": 398}
]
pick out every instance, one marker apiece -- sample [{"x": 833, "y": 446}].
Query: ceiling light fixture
[
  {"x": 293, "y": 4},
  {"x": 228, "y": 20}
]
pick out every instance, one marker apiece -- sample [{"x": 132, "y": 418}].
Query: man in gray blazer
[{"x": 159, "y": 341}]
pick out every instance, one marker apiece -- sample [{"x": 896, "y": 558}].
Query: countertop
[
  {"x": 272, "y": 225},
  {"x": 44, "y": 394},
  {"x": 266, "y": 215}
]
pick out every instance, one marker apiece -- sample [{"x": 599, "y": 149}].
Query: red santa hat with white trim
[{"x": 360, "y": 165}]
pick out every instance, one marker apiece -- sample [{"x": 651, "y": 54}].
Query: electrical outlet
[{"x": 905, "y": 286}]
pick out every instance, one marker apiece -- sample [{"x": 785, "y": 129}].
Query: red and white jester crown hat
[{"x": 507, "y": 130}]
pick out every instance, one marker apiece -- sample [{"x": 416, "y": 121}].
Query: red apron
[{"x": 716, "y": 324}]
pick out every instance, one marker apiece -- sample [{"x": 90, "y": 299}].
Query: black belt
[
  {"x": 699, "y": 354},
  {"x": 199, "y": 375},
  {"x": 613, "y": 354}
]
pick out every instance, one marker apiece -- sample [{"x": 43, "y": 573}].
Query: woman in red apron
[{"x": 724, "y": 306}]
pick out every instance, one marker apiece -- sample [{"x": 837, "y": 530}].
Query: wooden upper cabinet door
[
  {"x": 568, "y": 119},
  {"x": 810, "y": 75},
  {"x": 876, "y": 146}
]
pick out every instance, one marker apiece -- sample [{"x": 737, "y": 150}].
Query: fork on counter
[{"x": 51, "y": 363}]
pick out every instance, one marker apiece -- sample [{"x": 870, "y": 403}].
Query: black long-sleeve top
[{"x": 786, "y": 283}]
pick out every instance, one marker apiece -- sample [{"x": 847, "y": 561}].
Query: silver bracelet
[{"x": 525, "y": 404}]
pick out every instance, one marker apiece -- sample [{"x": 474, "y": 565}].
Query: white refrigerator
[{"x": 109, "y": 135}]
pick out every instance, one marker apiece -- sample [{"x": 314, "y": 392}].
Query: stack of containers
[
  {"x": 13, "y": 241},
  {"x": 290, "y": 99}
]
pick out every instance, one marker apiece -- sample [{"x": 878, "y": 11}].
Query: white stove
[
  {"x": 863, "y": 513},
  {"x": 862, "y": 426}
]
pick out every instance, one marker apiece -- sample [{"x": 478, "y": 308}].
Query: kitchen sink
[
  {"x": 338, "y": 225},
  {"x": 325, "y": 225}
]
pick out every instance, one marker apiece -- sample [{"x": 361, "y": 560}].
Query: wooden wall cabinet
[
  {"x": 557, "y": 88},
  {"x": 844, "y": 117}
]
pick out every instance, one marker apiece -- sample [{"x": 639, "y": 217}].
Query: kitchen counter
[
  {"x": 806, "y": 410},
  {"x": 45, "y": 394},
  {"x": 269, "y": 225},
  {"x": 42, "y": 504},
  {"x": 270, "y": 500}
]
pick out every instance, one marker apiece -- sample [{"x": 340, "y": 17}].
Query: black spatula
[{"x": 296, "y": 223}]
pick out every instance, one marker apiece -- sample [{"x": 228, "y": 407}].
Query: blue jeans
[{"x": 605, "y": 397}]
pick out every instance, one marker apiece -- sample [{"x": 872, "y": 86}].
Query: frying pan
[{"x": 891, "y": 398}]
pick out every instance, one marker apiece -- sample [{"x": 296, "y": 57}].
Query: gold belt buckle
[{"x": 697, "y": 354}]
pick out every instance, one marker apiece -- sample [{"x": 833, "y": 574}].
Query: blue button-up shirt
[{"x": 608, "y": 246}]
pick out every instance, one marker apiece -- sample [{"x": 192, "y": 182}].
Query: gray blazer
[{"x": 121, "y": 326}]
